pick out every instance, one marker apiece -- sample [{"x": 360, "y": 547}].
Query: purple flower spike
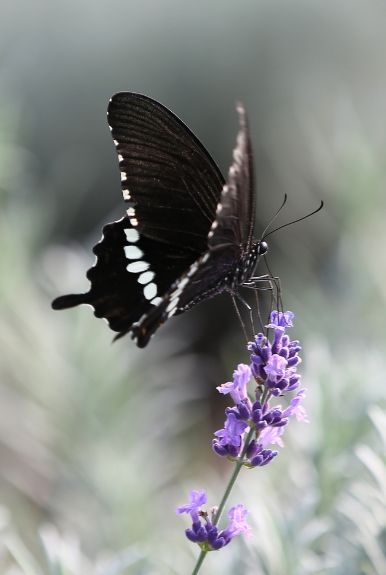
[
  {"x": 206, "y": 535},
  {"x": 273, "y": 365}
]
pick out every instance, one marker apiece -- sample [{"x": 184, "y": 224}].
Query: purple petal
[
  {"x": 271, "y": 435},
  {"x": 197, "y": 499},
  {"x": 275, "y": 369}
]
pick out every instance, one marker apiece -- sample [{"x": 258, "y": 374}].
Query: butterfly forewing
[
  {"x": 229, "y": 245},
  {"x": 165, "y": 171}
]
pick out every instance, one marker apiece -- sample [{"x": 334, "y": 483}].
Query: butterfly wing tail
[{"x": 67, "y": 301}]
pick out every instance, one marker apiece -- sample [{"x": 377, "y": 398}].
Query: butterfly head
[{"x": 262, "y": 248}]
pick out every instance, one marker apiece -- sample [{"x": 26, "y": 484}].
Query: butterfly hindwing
[
  {"x": 130, "y": 272},
  {"x": 235, "y": 215}
]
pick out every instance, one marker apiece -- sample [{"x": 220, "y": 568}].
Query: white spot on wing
[
  {"x": 133, "y": 253},
  {"x": 120, "y": 158},
  {"x": 126, "y": 194},
  {"x": 156, "y": 300},
  {"x": 183, "y": 283},
  {"x": 193, "y": 269},
  {"x": 176, "y": 293},
  {"x": 123, "y": 177},
  {"x": 205, "y": 258},
  {"x": 116, "y": 142},
  {"x": 134, "y": 221},
  {"x": 150, "y": 291},
  {"x": 146, "y": 277},
  {"x": 132, "y": 236},
  {"x": 131, "y": 212},
  {"x": 138, "y": 267},
  {"x": 173, "y": 304}
]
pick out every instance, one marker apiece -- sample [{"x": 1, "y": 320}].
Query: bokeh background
[{"x": 99, "y": 443}]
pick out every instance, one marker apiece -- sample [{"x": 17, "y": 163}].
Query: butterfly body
[{"x": 187, "y": 236}]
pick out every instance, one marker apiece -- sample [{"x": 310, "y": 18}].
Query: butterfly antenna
[
  {"x": 294, "y": 222},
  {"x": 275, "y": 216}
]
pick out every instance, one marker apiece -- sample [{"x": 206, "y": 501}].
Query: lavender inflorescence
[
  {"x": 206, "y": 534},
  {"x": 251, "y": 424},
  {"x": 273, "y": 366}
]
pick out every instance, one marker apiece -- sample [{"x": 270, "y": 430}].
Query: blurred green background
[{"x": 99, "y": 443}]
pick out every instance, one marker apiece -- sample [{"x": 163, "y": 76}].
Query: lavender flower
[
  {"x": 274, "y": 368},
  {"x": 238, "y": 387},
  {"x": 231, "y": 435},
  {"x": 274, "y": 365},
  {"x": 206, "y": 534}
]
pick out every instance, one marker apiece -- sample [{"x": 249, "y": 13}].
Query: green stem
[
  {"x": 228, "y": 490},
  {"x": 232, "y": 480},
  {"x": 200, "y": 561},
  {"x": 264, "y": 396}
]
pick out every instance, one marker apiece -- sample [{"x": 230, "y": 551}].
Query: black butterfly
[{"x": 187, "y": 235}]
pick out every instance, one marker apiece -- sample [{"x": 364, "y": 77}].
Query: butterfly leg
[
  {"x": 253, "y": 283},
  {"x": 239, "y": 297}
]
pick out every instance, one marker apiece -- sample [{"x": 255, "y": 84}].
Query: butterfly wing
[
  {"x": 123, "y": 285},
  {"x": 235, "y": 215},
  {"x": 172, "y": 185},
  {"x": 166, "y": 172},
  {"x": 229, "y": 242}
]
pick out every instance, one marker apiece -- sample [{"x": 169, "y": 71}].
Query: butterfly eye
[{"x": 262, "y": 248}]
